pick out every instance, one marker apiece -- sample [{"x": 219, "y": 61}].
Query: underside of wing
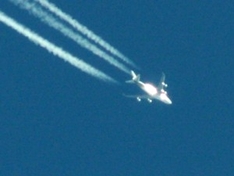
[
  {"x": 137, "y": 96},
  {"x": 162, "y": 83}
]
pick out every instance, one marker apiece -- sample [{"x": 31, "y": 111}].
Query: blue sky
[{"x": 57, "y": 120}]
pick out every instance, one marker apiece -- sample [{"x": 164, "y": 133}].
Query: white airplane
[{"x": 151, "y": 91}]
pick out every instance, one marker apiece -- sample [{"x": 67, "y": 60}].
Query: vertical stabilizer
[{"x": 135, "y": 78}]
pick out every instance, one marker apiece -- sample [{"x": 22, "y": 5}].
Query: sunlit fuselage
[{"x": 154, "y": 93}]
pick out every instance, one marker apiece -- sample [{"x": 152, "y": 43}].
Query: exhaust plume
[
  {"x": 54, "y": 23},
  {"x": 84, "y": 30},
  {"x": 55, "y": 50}
]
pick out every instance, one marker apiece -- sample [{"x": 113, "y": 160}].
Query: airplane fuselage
[{"x": 153, "y": 92}]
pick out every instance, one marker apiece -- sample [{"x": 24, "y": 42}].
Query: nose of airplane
[
  {"x": 169, "y": 101},
  {"x": 165, "y": 99}
]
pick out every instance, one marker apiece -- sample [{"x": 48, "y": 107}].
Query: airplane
[{"x": 151, "y": 91}]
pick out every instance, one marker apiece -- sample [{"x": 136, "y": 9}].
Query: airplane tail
[{"x": 135, "y": 78}]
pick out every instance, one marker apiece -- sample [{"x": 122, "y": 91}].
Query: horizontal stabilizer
[{"x": 135, "y": 78}]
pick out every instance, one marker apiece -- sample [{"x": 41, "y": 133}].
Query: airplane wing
[
  {"x": 137, "y": 96},
  {"x": 162, "y": 83}
]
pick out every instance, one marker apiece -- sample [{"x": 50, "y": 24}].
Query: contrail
[
  {"x": 84, "y": 30},
  {"x": 54, "y": 23},
  {"x": 55, "y": 50}
]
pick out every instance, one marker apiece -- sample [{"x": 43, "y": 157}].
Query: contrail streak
[
  {"x": 55, "y": 50},
  {"x": 54, "y": 23},
  {"x": 84, "y": 30}
]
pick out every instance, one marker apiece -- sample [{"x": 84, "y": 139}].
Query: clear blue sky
[{"x": 57, "y": 120}]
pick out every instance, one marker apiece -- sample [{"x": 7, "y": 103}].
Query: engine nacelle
[
  {"x": 163, "y": 91},
  {"x": 149, "y": 100},
  {"x": 164, "y": 84},
  {"x": 138, "y": 99}
]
